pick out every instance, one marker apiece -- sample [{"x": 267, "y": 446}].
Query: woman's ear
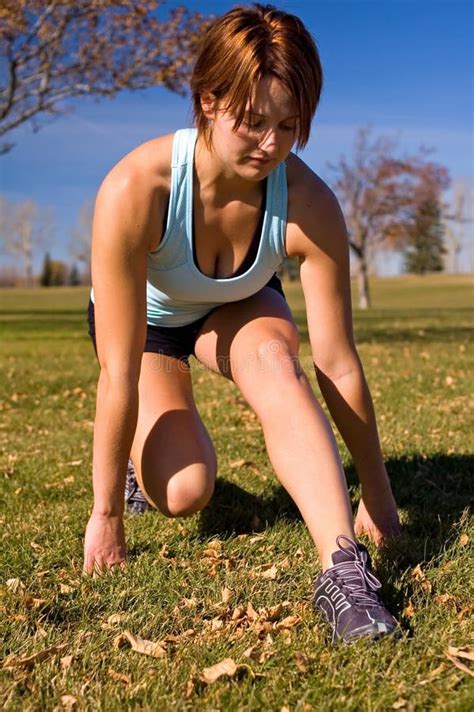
[{"x": 208, "y": 105}]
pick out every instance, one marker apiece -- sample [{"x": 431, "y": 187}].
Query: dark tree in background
[
  {"x": 425, "y": 248},
  {"x": 58, "y": 49},
  {"x": 74, "y": 277},
  {"x": 54, "y": 272},
  {"x": 46, "y": 272}
]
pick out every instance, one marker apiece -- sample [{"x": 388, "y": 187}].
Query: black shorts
[{"x": 177, "y": 341}]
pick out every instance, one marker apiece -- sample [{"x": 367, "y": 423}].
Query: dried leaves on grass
[{"x": 456, "y": 654}]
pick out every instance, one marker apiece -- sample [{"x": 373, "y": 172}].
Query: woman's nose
[{"x": 268, "y": 141}]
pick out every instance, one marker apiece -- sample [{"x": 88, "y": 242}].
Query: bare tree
[
  {"x": 380, "y": 194},
  {"x": 80, "y": 246},
  {"x": 24, "y": 228},
  {"x": 457, "y": 215},
  {"x": 53, "y": 50}
]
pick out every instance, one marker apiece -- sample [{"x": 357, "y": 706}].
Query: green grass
[{"x": 415, "y": 347}]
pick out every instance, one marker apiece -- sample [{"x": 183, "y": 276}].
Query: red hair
[{"x": 243, "y": 46}]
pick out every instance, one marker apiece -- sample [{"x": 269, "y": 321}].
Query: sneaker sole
[{"x": 374, "y": 631}]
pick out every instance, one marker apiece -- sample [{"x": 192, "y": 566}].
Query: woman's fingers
[{"x": 98, "y": 567}]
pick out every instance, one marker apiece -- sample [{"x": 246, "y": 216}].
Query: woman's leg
[
  {"x": 172, "y": 453},
  {"x": 254, "y": 342}
]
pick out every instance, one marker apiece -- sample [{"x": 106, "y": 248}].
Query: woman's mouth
[{"x": 259, "y": 161}]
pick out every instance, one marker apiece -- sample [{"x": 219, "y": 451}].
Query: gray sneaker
[
  {"x": 135, "y": 500},
  {"x": 347, "y": 595}
]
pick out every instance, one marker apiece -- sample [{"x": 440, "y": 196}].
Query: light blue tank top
[{"x": 177, "y": 292}]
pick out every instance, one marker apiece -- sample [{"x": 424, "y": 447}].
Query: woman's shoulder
[
  {"x": 304, "y": 184},
  {"x": 135, "y": 192},
  {"x": 314, "y": 213},
  {"x": 145, "y": 169}
]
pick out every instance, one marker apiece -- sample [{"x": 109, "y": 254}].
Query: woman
[{"x": 188, "y": 232}]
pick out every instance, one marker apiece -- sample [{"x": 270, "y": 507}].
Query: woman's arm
[
  {"x": 120, "y": 241},
  {"x": 317, "y": 234}
]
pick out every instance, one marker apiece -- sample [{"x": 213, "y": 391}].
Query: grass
[{"x": 190, "y": 582}]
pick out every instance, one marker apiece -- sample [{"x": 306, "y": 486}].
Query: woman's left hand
[{"x": 377, "y": 518}]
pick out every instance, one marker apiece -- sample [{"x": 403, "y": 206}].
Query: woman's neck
[{"x": 217, "y": 181}]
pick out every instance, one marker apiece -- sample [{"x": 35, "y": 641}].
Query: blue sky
[{"x": 403, "y": 66}]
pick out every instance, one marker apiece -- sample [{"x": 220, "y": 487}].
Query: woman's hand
[
  {"x": 377, "y": 517},
  {"x": 104, "y": 544}
]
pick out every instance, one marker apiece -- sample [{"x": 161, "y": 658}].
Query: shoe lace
[{"x": 356, "y": 576}]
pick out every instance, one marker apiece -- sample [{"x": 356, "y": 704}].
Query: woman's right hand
[{"x": 104, "y": 544}]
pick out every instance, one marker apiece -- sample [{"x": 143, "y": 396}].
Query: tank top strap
[
  {"x": 182, "y": 156},
  {"x": 277, "y": 209}
]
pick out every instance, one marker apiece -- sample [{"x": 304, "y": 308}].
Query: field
[{"x": 234, "y": 581}]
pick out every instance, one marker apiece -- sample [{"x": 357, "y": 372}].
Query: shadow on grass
[{"x": 433, "y": 492}]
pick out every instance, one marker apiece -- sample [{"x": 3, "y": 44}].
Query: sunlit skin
[{"x": 298, "y": 437}]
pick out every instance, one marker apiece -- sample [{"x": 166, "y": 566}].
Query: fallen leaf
[
  {"x": 66, "y": 662},
  {"x": 399, "y": 704},
  {"x": 65, "y": 588},
  {"x": 465, "y": 611},
  {"x": 188, "y": 602},
  {"x": 418, "y": 574},
  {"x": 214, "y": 544},
  {"x": 464, "y": 652},
  {"x": 213, "y": 673},
  {"x": 238, "y": 613},
  {"x": 140, "y": 645},
  {"x": 460, "y": 665},
  {"x": 270, "y": 573},
  {"x": 274, "y": 612},
  {"x": 301, "y": 660},
  {"x": 190, "y": 685},
  {"x": 120, "y": 676},
  {"x": 464, "y": 539},
  {"x": 210, "y": 554},
  {"x": 287, "y": 622},
  {"x": 238, "y": 463},
  {"x": 217, "y": 623},
  {"x": 445, "y": 598},
  {"x": 259, "y": 654},
  {"x": 116, "y": 618},
  {"x": 30, "y": 660},
  {"x": 69, "y": 701},
  {"x": 226, "y": 594},
  {"x": 15, "y": 585},
  {"x": 251, "y": 612},
  {"x": 409, "y": 610}
]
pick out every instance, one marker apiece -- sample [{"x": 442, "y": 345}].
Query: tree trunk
[{"x": 363, "y": 283}]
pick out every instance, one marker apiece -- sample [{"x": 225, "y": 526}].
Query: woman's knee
[
  {"x": 185, "y": 493},
  {"x": 274, "y": 358}
]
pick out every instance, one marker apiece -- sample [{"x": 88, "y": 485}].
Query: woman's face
[{"x": 265, "y": 137}]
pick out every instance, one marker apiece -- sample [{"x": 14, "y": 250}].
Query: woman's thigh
[
  {"x": 172, "y": 452},
  {"x": 250, "y": 339}
]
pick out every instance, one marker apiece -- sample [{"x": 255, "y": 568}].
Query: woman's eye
[{"x": 253, "y": 124}]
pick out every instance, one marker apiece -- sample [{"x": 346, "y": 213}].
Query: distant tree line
[
  {"x": 56, "y": 273},
  {"x": 26, "y": 231},
  {"x": 427, "y": 232}
]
